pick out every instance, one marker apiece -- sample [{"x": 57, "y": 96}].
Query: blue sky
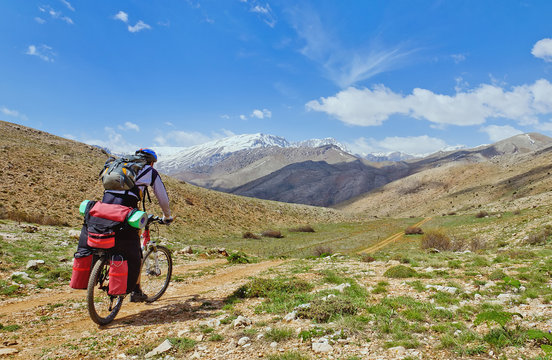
[{"x": 413, "y": 76}]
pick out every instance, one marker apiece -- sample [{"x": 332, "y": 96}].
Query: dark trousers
[{"x": 127, "y": 241}]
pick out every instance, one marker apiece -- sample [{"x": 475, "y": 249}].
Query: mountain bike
[{"x": 155, "y": 275}]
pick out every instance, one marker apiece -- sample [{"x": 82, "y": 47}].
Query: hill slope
[
  {"x": 46, "y": 177},
  {"x": 511, "y": 174}
]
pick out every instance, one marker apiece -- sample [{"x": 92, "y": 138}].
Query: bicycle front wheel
[
  {"x": 102, "y": 307},
  {"x": 156, "y": 272}
]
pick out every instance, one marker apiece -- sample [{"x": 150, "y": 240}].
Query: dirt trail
[
  {"x": 380, "y": 245},
  {"x": 44, "y": 326}
]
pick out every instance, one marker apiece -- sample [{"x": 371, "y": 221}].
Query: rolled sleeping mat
[{"x": 136, "y": 218}]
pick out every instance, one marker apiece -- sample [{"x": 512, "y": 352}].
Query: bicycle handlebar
[{"x": 156, "y": 219}]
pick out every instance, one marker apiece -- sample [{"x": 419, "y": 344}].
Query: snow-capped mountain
[{"x": 215, "y": 151}]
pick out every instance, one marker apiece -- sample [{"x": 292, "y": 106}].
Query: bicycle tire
[
  {"x": 97, "y": 295},
  {"x": 156, "y": 272}
]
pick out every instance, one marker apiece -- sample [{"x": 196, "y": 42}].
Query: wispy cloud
[
  {"x": 543, "y": 49},
  {"x": 344, "y": 66},
  {"x": 39, "y": 20},
  {"x": 13, "y": 113},
  {"x": 113, "y": 141},
  {"x": 68, "y": 5},
  {"x": 43, "y": 52},
  {"x": 371, "y": 107},
  {"x": 264, "y": 12},
  {"x": 129, "y": 126},
  {"x": 458, "y": 58},
  {"x": 140, "y": 25},
  {"x": 54, "y": 14}
]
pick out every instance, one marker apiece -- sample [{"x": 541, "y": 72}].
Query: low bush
[
  {"x": 250, "y": 235},
  {"x": 400, "y": 272},
  {"x": 272, "y": 234},
  {"x": 260, "y": 287},
  {"x": 304, "y": 228},
  {"x": 482, "y": 214},
  {"x": 322, "y": 310},
  {"x": 289, "y": 355},
  {"x": 238, "y": 257},
  {"x": 540, "y": 237},
  {"x": 413, "y": 230},
  {"x": 367, "y": 258},
  {"x": 436, "y": 239},
  {"x": 279, "y": 334},
  {"x": 322, "y": 251},
  {"x": 477, "y": 244}
]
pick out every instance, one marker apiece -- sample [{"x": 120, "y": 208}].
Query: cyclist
[{"x": 127, "y": 242}]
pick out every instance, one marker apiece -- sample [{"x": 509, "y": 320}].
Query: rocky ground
[{"x": 428, "y": 315}]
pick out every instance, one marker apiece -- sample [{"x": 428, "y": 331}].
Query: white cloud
[
  {"x": 261, "y": 114},
  {"x": 371, "y": 107},
  {"x": 140, "y": 25},
  {"x": 39, "y": 20},
  {"x": 342, "y": 65},
  {"x": 121, "y": 15},
  {"x": 187, "y": 138},
  {"x": 43, "y": 52},
  {"x": 243, "y": 117},
  {"x": 414, "y": 145},
  {"x": 55, "y": 14},
  {"x": 68, "y": 4},
  {"x": 543, "y": 49},
  {"x": 458, "y": 58},
  {"x": 129, "y": 126},
  {"x": 497, "y": 133},
  {"x": 13, "y": 113},
  {"x": 115, "y": 142},
  {"x": 265, "y": 13},
  {"x": 168, "y": 123}
]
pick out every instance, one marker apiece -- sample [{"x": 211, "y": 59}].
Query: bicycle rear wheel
[
  {"x": 156, "y": 272},
  {"x": 102, "y": 307}
]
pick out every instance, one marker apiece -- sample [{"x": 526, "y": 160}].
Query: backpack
[{"x": 120, "y": 173}]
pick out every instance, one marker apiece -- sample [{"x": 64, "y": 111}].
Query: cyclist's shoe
[{"x": 138, "y": 296}]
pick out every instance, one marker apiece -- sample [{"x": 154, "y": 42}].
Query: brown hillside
[
  {"x": 507, "y": 182},
  {"x": 45, "y": 177}
]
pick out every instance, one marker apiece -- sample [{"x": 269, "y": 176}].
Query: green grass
[
  {"x": 279, "y": 334},
  {"x": 289, "y": 355}
]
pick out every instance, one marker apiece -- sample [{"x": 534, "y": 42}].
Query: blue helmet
[{"x": 150, "y": 155}]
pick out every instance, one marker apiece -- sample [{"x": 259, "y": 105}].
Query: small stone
[
  {"x": 182, "y": 332},
  {"x": 164, "y": 347},
  {"x": 187, "y": 250},
  {"x": 274, "y": 344},
  {"x": 342, "y": 287},
  {"x": 34, "y": 264},
  {"x": 195, "y": 355},
  {"x": 397, "y": 350},
  {"x": 244, "y": 340},
  {"x": 23, "y": 274},
  {"x": 8, "y": 351},
  {"x": 241, "y": 321},
  {"x": 75, "y": 234},
  {"x": 321, "y": 347},
  {"x": 291, "y": 316}
]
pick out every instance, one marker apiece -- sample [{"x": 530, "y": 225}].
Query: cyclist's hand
[{"x": 167, "y": 220}]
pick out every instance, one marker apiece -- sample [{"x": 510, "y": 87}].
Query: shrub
[
  {"x": 304, "y": 228},
  {"x": 322, "y": 251},
  {"x": 279, "y": 334},
  {"x": 250, "y": 235},
  {"x": 260, "y": 287},
  {"x": 322, "y": 310},
  {"x": 482, "y": 214},
  {"x": 400, "y": 272},
  {"x": 540, "y": 237},
  {"x": 367, "y": 258},
  {"x": 272, "y": 234},
  {"x": 238, "y": 258},
  {"x": 436, "y": 239},
  {"x": 413, "y": 230},
  {"x": 290, "y": 355},
  {"x": 477, "y": 244}
]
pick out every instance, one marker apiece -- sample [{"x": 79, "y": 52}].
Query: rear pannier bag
[
  {"x": 81, "y": 272},
  {"x": 103, "y": 221},
  {"x": 118, "y": 274}
]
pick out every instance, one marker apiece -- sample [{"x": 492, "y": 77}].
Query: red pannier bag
[
  {"x": 113, "y": 212},
  {"x": 101, "y": 241},
  {"x": 118, "y": 274},
  {"x": 81, "y": 272}
]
